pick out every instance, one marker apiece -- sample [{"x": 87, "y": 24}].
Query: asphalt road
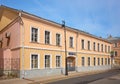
[{"x": 91, "y": 79}]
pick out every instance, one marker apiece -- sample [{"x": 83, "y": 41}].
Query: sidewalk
[{"x": 41, "y": 80}]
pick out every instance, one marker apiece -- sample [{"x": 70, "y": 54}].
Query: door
[{"x": 71, "y": 63}]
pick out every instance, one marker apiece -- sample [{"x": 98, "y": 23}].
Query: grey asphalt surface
[{"x": 101, "y": 78}]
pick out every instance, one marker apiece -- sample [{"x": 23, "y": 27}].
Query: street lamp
[{"x": 66, "y": 69}]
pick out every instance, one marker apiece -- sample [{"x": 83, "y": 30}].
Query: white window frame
[
  {"x": 94, "y": 61},
  {"x": 82, "y": 61},
  {"x": 89, "y": 45},
  {"x": 82, "y": 46},
  {"x": 50, "y": 61},
  {"x": 38, "y": 60},
  {"x": 60, "y": 61},
  {"x": 38, "y": 39},
  {"x": 72, "y": 41},
  {"x": 60, "y": 39},
  {"x": 49, "y": 38},
  {"x": 89, "y": 61}
]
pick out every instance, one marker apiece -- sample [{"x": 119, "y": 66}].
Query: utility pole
[{"x": 66, "y": 69}]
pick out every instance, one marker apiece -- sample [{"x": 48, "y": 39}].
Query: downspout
[{"x": 22, "y": 25}]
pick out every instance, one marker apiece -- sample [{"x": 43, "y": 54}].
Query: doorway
[{"x": 71, "y": 63}]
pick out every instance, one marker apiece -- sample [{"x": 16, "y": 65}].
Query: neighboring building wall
[
  {"x": 116, "y": 49},
  {"x": 9, "y": 48},
  {"x": 6, "y": 17}
]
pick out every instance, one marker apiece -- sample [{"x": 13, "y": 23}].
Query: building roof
[
  {"x": 71, "y": 28},
  {"x": 113, "y": 39}
]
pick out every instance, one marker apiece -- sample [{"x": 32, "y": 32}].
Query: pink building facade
[{"x": 9, "y": 54}]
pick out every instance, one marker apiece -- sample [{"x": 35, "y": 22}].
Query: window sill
[{"x": 35, "y": 42}]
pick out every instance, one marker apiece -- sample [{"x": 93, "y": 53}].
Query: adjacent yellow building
[{"x": 39, "y": 44}]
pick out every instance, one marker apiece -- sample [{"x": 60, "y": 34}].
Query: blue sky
[{"x": 98, "y": 17}]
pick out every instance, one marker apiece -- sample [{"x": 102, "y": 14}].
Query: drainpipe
[{"x": 22, "y": 25}]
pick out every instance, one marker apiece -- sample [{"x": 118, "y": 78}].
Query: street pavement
[
  {"x": 98, "y": 77},
  {"x": 110, "y": 80},
  {"x": 110, "y": 77}
]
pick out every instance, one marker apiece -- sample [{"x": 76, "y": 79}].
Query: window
[
  {"x": 105, "y": 61},
  {"x": 83, "y": 61},
  {"x": 88, "y": 61},
  {"x": 58, "y": 39},
  {"x": 47, "y": 61},
  {"x": 58, "y": 59},
  {"x": 115, "y": 45},
  {"x": 98, "y": 47},
  {"x": 101, "y": 61},
  {"x": 105, "y": 48},
  {"x": 94, "y": 46},
  {"x": 108, "y": 48},
  {"x": 102, "y": 47},
  {"x": 94, "y": 61},
  {"x": 115, "y": 53},
  {"x": 82, "y": 41},
  {"x": 34, "y": 34},
  {"x": 71, "y": 42},
  {"x": 34, "y": 61},
  {"x": 88, "y": 45},
  {"x": 98, "y": 61},
  {"x": 47, "y": 37},
  {"x": 108, "y": 60}
]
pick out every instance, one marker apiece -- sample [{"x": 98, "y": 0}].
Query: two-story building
[{"x": 32, "y": 46}]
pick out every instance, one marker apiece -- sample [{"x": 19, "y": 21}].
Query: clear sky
[{"x": 98, "y": 17}]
